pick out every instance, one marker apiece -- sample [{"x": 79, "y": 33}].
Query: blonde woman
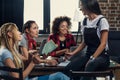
[{"x": 9, "y": 56}]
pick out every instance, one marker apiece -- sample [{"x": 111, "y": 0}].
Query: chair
[
  {"x": 42, "y": 45},
  {"x": 114, "y": 45},
  {"x": 104, "y": 74},
  {"x": 8, "y": 77}
]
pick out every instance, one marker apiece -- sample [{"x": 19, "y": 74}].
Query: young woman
[
  {"x": 95, "y": 30},
  {"x": 9, "y": 36},
  {"x": 28, "y": 42},
  {"x": 9, "y": 55},
  {"x": 61, "y": 36}
]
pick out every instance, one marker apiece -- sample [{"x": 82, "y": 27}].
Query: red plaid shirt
[{"x": 69, "y": 42}]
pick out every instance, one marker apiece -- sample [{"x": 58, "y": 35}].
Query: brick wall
[{"x": 111, "y": 10}]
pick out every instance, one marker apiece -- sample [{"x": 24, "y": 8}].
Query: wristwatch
[{"x": 92, "y": 58}]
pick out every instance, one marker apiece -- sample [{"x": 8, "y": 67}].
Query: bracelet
[{"x": 92, "y": 57}]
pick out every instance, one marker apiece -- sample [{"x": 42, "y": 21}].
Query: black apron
[{"x": 91, "y": 38}]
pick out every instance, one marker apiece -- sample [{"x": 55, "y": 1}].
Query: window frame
[{"x": 46, "y": 21}]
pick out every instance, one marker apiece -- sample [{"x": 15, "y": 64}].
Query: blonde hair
[{"x": 8, "y": 42}]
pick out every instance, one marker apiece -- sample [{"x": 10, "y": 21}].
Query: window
[
  {"x": 64, "y": 8},
  {"x": 33, "y": 10},
  {"x": 45, "y": 11}
]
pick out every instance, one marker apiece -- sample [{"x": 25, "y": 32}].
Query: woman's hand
[
  {"x": 32, "y": 51},
  {"x": 52, "y": 62},
  {"x": 69, "y": 54},
  {"x": 90, "y": 60},
  {"x": 36, "y": 58},
  {"x": 67, "y": 50}
]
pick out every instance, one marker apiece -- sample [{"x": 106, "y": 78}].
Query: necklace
[{"x": 62, "y": 44}]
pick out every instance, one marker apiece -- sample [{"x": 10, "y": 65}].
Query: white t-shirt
[{"x": 103, "y": 25}]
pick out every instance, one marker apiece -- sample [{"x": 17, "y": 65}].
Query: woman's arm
[
  {"x": 25, "y": 53},
  {"x": 60, "y": 52},
  {"x": 79, "y": 48},
  {"x": 8, "y": 62},
  {"x": 103, "y": 41}
]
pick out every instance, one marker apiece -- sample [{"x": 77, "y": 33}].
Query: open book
[{"x": 49, "y": 47}]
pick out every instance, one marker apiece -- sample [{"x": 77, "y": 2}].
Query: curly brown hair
[{"x": 57, "y": 21}]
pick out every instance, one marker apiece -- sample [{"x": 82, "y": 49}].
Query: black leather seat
[{"x": 114, "y": 45}]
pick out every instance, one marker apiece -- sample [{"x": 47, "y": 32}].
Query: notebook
[
  {"x": 65, "y": 63},
  {"x": 49, "y": 47}
]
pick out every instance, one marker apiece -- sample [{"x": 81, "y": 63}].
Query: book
[
  {"x": 49, "y": 47},
  {"x": 65, "y": 63}
]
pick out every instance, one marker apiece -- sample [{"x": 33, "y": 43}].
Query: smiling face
[
  {"x": 63, "y": 28},
  {"x": 33, "y": 31}
]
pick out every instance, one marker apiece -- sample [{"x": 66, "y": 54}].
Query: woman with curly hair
[{"x": 61, "y": 36}]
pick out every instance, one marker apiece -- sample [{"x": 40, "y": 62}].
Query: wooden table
[
  {"x": 116, "y": 71},
  {"x": 45, "y": 70}
]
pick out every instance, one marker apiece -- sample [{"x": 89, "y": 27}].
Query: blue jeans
[
  {"x": 79, "y": 64},
  {"x": 58, "y": 76},
  {"x": 44, "y": 77},
  {"x": 54, "y": 76},
  {"x": 98, "y": 64}
]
